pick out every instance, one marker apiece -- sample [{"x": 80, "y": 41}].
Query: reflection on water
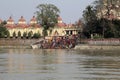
[{"x": 28, "y": 64}]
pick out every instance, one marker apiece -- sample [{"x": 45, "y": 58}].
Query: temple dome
[
  {"x": 33, "y": 20},
  {"x": 10, "y": 20},
  {"x": 22, "y": 20},
  {"x": 60, "y": 22}
]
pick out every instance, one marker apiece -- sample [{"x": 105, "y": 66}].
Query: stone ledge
[
  {"x": 15, "y": 47},
  {"x": 95, "y": 47}
]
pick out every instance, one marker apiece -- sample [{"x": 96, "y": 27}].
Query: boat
[{"x": 37, "y": 44}]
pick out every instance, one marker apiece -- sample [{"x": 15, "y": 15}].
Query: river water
[{"x": 50, "y": 64}]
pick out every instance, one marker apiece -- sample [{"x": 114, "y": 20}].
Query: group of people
[{"x": 58, "y": 42}]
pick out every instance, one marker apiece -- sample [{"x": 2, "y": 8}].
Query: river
[{"x": 51, "y": 64}]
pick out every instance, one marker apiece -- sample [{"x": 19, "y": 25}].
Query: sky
[{"x": 70, "y": 10}]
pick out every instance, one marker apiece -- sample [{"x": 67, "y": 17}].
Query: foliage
[
  {"x": 97, "y": 36},
  {"x": 4, "y": 23},
  {"x": 89, "y": 14},
  {"x": 14, "y": 34},
  {"x": 30, "y": 34},
  {"x": 47, "y": 15},
  {"x": 101, "y": 26},
  {"x": 3, "y": 31},
  {"x": 90, "y": 21},
  {"x": 8, "y": 34},
  {"x": 36, "y": 35},
  {"x": 19, "y": 34},
  {"x": 24, "y": 34},
  {"x": 45, "y": 32}
]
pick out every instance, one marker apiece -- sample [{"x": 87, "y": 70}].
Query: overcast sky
[{"x": 71, "y": 10}]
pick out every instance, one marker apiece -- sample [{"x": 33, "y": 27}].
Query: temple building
[
  {"x": 62, "y": 29},
  {"x": 22, "y": 27}
]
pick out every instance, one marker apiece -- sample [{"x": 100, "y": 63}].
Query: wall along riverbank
[{"x": 103, "y": 44}]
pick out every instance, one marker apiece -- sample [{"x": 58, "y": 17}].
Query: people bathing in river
[{"x": 59, "y": 42}]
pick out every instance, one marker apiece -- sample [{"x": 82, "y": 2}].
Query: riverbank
[
  {"x": 99, "y": 44},
  {"x": 77, "y": 47},
  {"x": 88, "y": 44},
  {"x": 15, "y": 47},
  {"x": 96, "y": 47},
  {"x": 16, "y": 43}
]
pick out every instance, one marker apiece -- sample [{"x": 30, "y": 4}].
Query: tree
[
  {"x": 89, "y": 14},
  {"x": 3, "y": 31},
  {"x": 90, "y": 21},
  {"x": 14, "y": 34},
  {"x": 24, "y": 34},
  {"x": 99, "y": 19},
  {"x": 108, "y": 23},
  {"x": 4, "y": 23},
  {"x": 30, "y": 34},
  {"x": 105, "y": 8},
  {"x": 19, "y": 34},
  {"x": 47, "y": 15},
  {"x": 36, "y": 35},
  {"x": 8, "y": 34}
]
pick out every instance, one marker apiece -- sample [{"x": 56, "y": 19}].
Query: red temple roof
[
  {"x": 10, "y": 19},
  {"x": 33, "y": 19},
  {"x": 22, "y": 19}
]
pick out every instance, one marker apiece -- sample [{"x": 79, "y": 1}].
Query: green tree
[
  {"x": 99, "y": 22},
  {"x": 4, "y": 23},
  {"x": 90, "y": 18},
  {"x": 3, "y": 31},
  {"x": 36, "y": 35},
  {"x": 8, "y": 34},
  {"x": 14, "y": 34},
  {"x": 47, "y": 15},
  {"x": 30, "y": 34},
  {"x": 25, "y": 35},
  {"x": 109, "y": 25},
  {"x": 19, "y": 34}
]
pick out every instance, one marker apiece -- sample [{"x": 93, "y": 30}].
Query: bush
[
  {"x": 25, "y": 35},
  {"x": 36, "y": 35}
]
